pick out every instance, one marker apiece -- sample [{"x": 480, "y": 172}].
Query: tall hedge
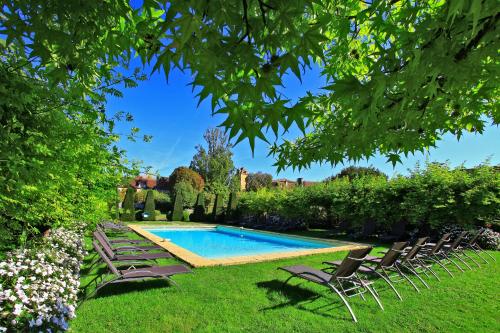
[
  {"x": 128, "y": 206},
  {"x": 178, "y": 208},
  {"x": 149, "y": 206},
  {"x": 231, "y": 207},
  {"x": 218, "y": 209},
  {"x": 199, "y": 208},
  {"x": 427, "y": 199}
]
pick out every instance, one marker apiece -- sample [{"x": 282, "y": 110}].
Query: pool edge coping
[{"x": 198, "y": 261}]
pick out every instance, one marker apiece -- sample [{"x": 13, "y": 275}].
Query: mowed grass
[{"x": 251, "y": 298}]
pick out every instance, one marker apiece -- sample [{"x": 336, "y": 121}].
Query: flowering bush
[
  {"x": 39, "y": 285},
  {"x": 489, "y": 240},
  {"x": 454, "y": 229}
]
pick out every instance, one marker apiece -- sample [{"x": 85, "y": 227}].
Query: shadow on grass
[
  {"x": 126, "y": 288},
  {"x": 304, "y": 299}
]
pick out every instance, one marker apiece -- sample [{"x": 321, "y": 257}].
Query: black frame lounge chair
[
  {"x": 450, "y": 250},
  {"x": 123, "y": 240},
  {"x": 135, "y": 256},
  {"x": 458, "y": 251},
  {"x": 433, "y": 255},
  {"x": 379, "y": 267},
  {"x": 116, "y": 227},
  {"x": 474, "y": 246},
  {"x": 344, "y": 281},
  {"x": 409, "y": 262},
  {"x": 132, "y": 273},
  {"x": 124, "y": 248}
]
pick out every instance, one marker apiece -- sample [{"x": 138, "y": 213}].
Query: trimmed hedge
[
  {"x": 128, "y": 206},
  {"x": 231, "y": 207},
  {"x": 427, "y": 200},
  {"x": 177, "y": 211},
  {"x": 199, "y": 208},
  {"x": 149, "y": 207},
  {"x": 218, "y": 210}
]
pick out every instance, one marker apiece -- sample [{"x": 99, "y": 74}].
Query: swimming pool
[
  {"x": 223, "y": 242},
  {"x": 223, "y": 245}
]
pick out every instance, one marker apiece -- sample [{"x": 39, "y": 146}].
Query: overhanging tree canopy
[{"x": 398, "y": 74}]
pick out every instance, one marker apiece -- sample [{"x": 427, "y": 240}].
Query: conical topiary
[
  {"x": 128, "y": 206},
  {"x": 218, "y": 209},
  {"x": 149, "y": 207},
  {"x": 178, "y": 208},
  {"x": 199, "y": 208},
  {"x": 231, "y": 207}
]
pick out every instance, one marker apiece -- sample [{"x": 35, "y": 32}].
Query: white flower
[{"x": 18, "y": 308}]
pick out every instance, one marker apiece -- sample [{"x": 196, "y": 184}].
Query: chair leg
[
  {"x": 343, "y": 300},
  {"x": 456, "y": 256},
  {"x": 478, "y": 254},
  {"x": 437, "y": 261},
  {"x": 390, "y": 285},
  {"x": 400, "y": 272},
  {"x": 483, "y": 251},
  {"x": 370, "y": 290},
  {"x": 471, "y": 259},
  {"x": 286, "y": 281},
  {"x": 454, "y": 263},
  {"x": 413, "y": 271},
  {"x": 427, "y": 268}
]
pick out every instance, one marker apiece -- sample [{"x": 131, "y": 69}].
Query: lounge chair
[
  {"x": 380, "y": 266},
  {"x": 409, "y": 262},
  {"x": 135, "y": 256},
  {"x": 474, "y": 246},
  {"x": 451, "y": 250},
  {"x": 343, "y": 281},
  {"x": 116, "y": 227},
  {"x": 123, "y": 240},
  {"x": 434, "y": 254},
  {"x": 124, "y": 248},
  {"x": 132, "y": 273}
]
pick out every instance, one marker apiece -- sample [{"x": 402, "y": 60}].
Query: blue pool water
[{"x": 222, "y": 242}]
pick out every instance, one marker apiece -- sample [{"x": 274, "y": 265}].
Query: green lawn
[{"x": 250, "y": 298}]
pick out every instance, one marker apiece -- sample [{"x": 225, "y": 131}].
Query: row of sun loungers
[
  {"x": 349, "y": 277},
  {"x": 136, "y": 259},
  {"x": 128, "y": 259}
]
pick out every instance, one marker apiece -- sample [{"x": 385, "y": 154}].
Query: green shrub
[
  {"x": 427, "y": 199},
  {"x": 185, "y": 215},
  {"x": 140, "y": 196},
  {"x": 128, "y": 206},
  {"x": 231, "y": 207},
  {"x": 184, "y": 174},
  {"x": 199, "y": 208},
  {"x": 177, "y": 211},
  {"x": 149, "y": 207},
  {"x": 218, "y": 208},
  {"x": 162, "y": 201},
  {"x": 187, "y": 191}
]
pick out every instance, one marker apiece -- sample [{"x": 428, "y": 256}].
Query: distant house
[
  {"x": 287, "y": 183},
  {"x": 145, "y": 182}
]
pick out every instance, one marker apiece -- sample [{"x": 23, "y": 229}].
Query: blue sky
[{"x": 169, "y": 113}]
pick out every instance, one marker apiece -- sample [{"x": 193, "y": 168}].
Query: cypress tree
[
  {"x": 199, "y": 208},
  {"x": 231, "y": 206},
  {"x": 128, "y": 206},
  {"x": 178, "y": 208},
  {"x": 149, "y": 207},
  {"x": 218, "y": 209}
]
